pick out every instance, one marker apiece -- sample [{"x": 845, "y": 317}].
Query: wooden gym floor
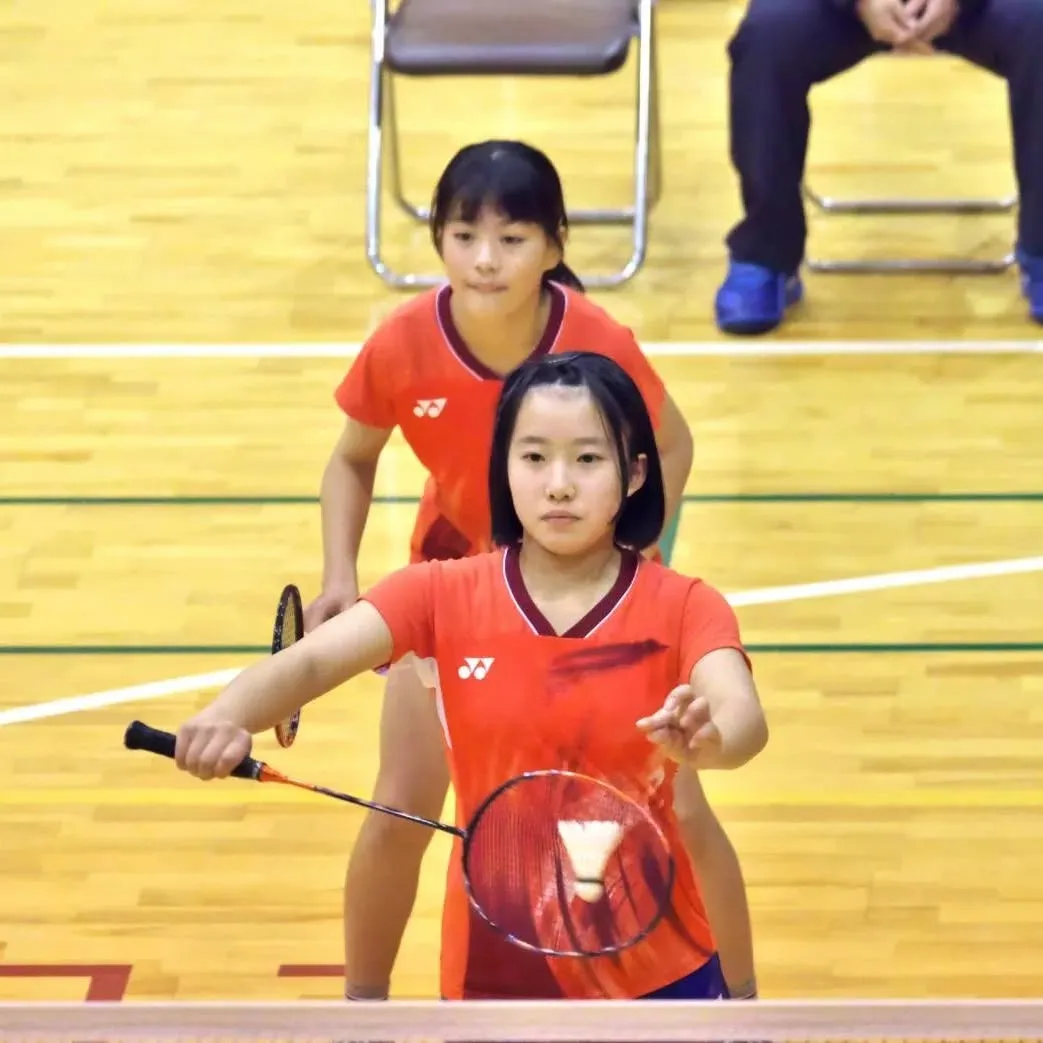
[
  {"x": 891, "y": 833},
  {"x": 190, "y": 174},
  {"x": 196, "y": 173}
]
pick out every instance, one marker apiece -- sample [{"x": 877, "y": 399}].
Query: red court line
[
  {"x": 108, "y": 981},
  {"x": 311, "y": 970}
]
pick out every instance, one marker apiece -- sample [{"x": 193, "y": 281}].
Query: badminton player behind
[
  {"x": 434, "y": 369},
  {"x": 593, "y": 658}
]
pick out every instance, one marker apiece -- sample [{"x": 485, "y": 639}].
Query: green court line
[
  {"x": 669, "y": 537},
  {"x": 260, "y": 500},
  {"x": 826, "y": 648}
]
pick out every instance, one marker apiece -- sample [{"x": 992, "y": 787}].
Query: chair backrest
[{"x": 520, "y": 37}]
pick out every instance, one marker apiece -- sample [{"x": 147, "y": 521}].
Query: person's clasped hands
[{"x": 908, "y": 26}]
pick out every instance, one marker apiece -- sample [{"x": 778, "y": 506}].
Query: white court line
[
  {"x": 115, "y": 696},
  {"x": 764, "y": 596},
  {"x": 680, "y": 349},
  {"x": 886, "y": 581}
]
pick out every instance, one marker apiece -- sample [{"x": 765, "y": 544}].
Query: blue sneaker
[
  {"x": 1032, "y": 283},
  {"x": 753, "y": 299}
]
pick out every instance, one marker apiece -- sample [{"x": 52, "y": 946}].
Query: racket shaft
[
  {"x": 140, "y": 736},
  {"x": 382, "y": 808}
]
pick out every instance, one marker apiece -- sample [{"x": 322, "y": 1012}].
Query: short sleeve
[
  {"x": 627, "y": 352},
  {"x": 367, "y": 392},
  {"x": 707, "y": 623},
  {"x": 405, "y": 600}
]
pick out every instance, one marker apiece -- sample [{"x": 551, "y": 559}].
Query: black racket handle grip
[{"x": 140, "y": 736}]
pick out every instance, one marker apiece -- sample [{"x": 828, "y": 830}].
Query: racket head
[
  {"x": 288, "y": 630},
  {"x": 524, "y": 881}
]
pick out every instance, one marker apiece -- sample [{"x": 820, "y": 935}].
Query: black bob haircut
[
  {"x": 514, "y": 178},
  {"x": 639, "y": 521}
]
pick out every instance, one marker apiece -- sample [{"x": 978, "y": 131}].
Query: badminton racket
[
  {"x": 288, "y": 630},
  {"x": 557, "y": 862}
]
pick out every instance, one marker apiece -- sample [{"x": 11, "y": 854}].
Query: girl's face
[
  {"x": 563, "y": 471},
  {"x": 496, "y": 265}
]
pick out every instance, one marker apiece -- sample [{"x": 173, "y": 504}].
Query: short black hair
[
  {"x": 512, "y": 177},
  {"x": 639, "y": 521}
]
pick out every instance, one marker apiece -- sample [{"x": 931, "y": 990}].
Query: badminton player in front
[{"x": 564, "y": 648}]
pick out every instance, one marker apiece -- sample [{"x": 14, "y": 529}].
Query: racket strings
[
  {"x": 565, "y": 865},
  {"x": 292, "y": 625}
]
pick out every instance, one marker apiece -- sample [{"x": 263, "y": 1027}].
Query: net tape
[{"x": 776, "y": 1021}]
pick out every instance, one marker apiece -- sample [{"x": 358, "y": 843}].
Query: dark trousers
[{"x": 784, "y": 47}]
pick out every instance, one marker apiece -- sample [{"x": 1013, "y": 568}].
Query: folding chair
[
  {"x": 581, "y": 38},
  {"x": 833, "y": 205}
]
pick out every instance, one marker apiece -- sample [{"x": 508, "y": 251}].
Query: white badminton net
[{"x": 764, "y": 1021}]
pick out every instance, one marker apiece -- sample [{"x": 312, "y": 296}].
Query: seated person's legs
[
  {"x": 1006, "y": 37},
  {"x": 780, "y": 50},
  {"x": 384, "y": 869}
]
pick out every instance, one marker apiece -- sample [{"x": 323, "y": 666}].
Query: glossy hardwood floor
[
  {"x": 891, "y": 834},
  {"x": 196, "y": 173},
  {"x": 184, "y": 172}
]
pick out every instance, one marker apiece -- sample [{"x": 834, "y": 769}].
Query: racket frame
[
  {"x": 469, "y": 832},
  {"x": 289, "y": 601}
]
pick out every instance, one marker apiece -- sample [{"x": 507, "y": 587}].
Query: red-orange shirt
[
  {"x": 541, "y": 700},
  {"x": 415, "y": 372}
]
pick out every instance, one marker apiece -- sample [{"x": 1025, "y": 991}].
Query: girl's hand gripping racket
[
  {"x": 557, "y": 862},
  {"x": 288, "y": 630}
]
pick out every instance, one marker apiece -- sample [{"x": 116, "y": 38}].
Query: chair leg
[
  {"x": 378, "y": 110},
  {"x": 830, "y": 204},
  {"x": 911, "y": 206},
  {"x": 647, "y": 154},
  {"x": 647, "y": 140},
  {"x": 657, "y": 139},
  {"x": 418, "y": 213}
]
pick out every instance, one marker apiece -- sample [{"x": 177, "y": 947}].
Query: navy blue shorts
[{"x": 707, "y": 983}]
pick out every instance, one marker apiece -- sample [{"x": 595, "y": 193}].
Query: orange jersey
[
  {"x": 416, "y": 373},
  {"x": 514, "y": 696}
]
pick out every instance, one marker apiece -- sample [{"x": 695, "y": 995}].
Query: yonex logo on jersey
[
  {"x": 429, "y": 406},
  {"x": 476, "y": 668}
]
